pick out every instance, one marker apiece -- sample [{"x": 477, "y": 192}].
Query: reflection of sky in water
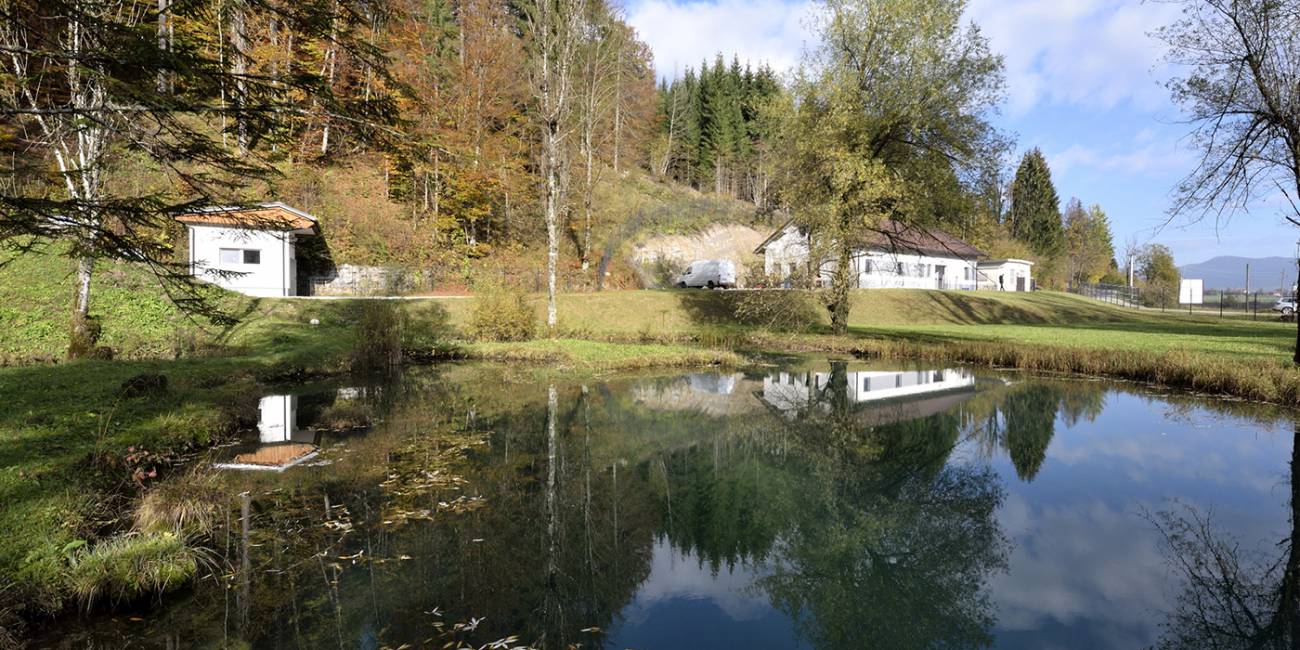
[
  {"x": 682, "y": 604},
  {"x": 1087, "y": 569}
]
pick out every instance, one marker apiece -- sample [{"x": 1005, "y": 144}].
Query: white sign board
[{"x": 1191, "y": 292}]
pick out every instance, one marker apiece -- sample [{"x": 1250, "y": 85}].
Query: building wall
[
  {"x": 274, "y": 275},
  {"x": 788, "y": 254}
]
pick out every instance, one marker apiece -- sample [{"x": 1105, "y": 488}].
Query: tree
[
  {"x": 83, "y": 95},
  {"x": 1034, "y": 216},
  {"x": 1089, "y": 249},
  {"x": 554, "y": 31},
  {"x": 1239, "y": 95},
  {"x": 892, "y": 98},
  {"x": 1160, "y": 277}
]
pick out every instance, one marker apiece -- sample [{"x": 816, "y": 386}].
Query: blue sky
[{"x": 1084, "y": 84}]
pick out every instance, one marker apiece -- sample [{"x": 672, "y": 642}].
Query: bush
[
  {"x": 380, "y": 327},
  {"x": 781, "y": 310},
  {"x": 502, "y": 315}
]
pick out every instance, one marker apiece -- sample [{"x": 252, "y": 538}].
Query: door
[
  {"x": 938, "y": 275},
  {"x": 1020, "y": 283}
]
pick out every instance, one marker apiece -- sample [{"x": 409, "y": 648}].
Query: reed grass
[{"x": 124, "y": 568}]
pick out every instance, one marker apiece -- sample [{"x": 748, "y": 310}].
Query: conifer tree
[{"x": 1035, "y": 214}]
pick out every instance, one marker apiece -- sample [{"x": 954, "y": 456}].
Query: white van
[{"x": 711, "y": 274}]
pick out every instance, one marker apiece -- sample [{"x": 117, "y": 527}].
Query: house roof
[
  {"x": 898, "y": 237},
  {"x": 1000, "y": 262},
  {"x": 267, "y": 216}
]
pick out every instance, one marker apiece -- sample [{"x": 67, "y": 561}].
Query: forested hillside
[{"x": 498, "y": 139}]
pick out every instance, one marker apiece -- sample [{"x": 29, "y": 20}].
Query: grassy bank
[
  {"x": 1049, "y": 332},
  {"x": 571, "y": 354}
]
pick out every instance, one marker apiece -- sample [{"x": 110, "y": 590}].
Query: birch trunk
[{"x": 552, "y": 163}]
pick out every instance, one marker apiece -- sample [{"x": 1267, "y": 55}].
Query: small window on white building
[
  {"x": 241, "y": 256},
  {"x": 899, "y": 268}
]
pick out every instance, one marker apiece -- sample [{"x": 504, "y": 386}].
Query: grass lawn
[{"x": 1035, "y": 319}]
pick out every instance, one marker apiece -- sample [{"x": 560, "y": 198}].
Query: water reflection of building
[
  {"x": 281, "y": 444},
  {"x": 916, "y": 393}
]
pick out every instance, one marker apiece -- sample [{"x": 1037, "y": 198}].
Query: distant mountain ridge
[{"x": 1229, "y": 272}]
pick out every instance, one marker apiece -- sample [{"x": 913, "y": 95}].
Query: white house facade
[
  {"x": 889, "y": 256},
  {"x": 1006, "y": 275},
  {"x": 248, "y": 249}
]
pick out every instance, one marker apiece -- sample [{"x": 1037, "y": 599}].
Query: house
[
  {"x": 1006, "y": 275},
  {"x": 249, "y": 249},
  {"x": 894, "y": 255}
]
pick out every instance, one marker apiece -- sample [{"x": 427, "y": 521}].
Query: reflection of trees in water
[
  {"x": 871, "y": 536},
  {"x": 1022, "y": 419},
  {"x": 1232, "y": 597}
]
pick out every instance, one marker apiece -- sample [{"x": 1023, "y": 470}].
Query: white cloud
[
  {"x": 1094, "y": 53},
  {"x": 684, "y": 34},
  {"x": 1153, "y": 158}
]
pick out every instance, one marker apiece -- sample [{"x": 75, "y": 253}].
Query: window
[
  {"x": 868, "y": 266},
  {"x": 899, "y": 269},
  {"x": 241, "y": 256}
]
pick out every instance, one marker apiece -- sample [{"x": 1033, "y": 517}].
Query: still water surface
[{"x": 814, "y": 505}]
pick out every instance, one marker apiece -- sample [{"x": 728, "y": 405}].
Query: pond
[{"x": 808, "y": 504}]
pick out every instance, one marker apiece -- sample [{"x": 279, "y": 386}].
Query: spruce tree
[{"x": 1035, "y": 215}]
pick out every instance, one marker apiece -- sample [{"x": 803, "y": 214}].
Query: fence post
[{"x": 1220, "y": 304}]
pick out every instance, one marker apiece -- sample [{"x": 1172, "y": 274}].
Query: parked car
[
  {"x": 1285, "y": 305},
  {"x": 708, "y": 274}
]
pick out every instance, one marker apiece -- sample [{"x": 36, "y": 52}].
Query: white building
[
  {"x": 1006, "y": 275},
  {"x": 892, "y": 255},
  {"x": 248, "y": 249}
]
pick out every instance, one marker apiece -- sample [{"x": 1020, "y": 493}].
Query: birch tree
[{"x": 554, "y": 28}]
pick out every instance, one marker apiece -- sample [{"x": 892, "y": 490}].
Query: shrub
[
  {"x": 782, "y": 310},
  {"x": 502, "y": 314},
  {"x": 380, "y": 324}
]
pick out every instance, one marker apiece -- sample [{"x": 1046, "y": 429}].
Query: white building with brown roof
[
  {"x": 890, "y": 255},
  {"x": 249, "y": 249}
]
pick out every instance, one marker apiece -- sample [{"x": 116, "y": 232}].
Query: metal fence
[
  {"x": 1115, "y": 294},
  {"x": 1223, "y": 303}
]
